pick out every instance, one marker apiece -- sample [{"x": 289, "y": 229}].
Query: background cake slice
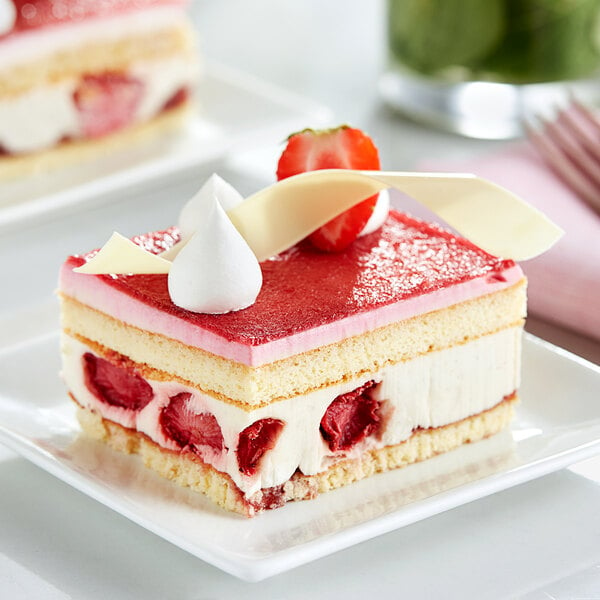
[{"x": 78, "y": 78}]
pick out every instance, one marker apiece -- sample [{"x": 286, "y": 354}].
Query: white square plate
[
  {"x": 236, "y": 112},
  {"x": 558, "y": 423}
]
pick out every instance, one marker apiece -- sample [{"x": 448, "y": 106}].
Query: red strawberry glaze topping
[
  {"x": 304, "y": 288},
  {"x": 187, "y": 429},
  {"x": 350, "y": 418},
  {"x": 115, "y": 385},
  {"x": 256, "y": 440},
  {"x": 36, "y": 14}
]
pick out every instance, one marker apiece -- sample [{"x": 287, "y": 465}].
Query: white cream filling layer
[
  {"x": 41, "y": 118},
  {"x": 429, "y": 391}
]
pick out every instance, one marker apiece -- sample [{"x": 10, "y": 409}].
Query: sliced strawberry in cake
[
  {"x": 350, "y": 418},
  {"x": 256, "y": 440},
  {"x": 107, "y": 102},
  {"x": 115, "y": 385},
  {"x": 189, "y": 430}
]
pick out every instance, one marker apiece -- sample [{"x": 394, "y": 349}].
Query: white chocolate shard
[{"x": 121, "y": 256}]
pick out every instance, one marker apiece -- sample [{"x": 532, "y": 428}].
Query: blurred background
[
  {"x": 271, "y": 67},
  {"x": 332, "y": 52}
]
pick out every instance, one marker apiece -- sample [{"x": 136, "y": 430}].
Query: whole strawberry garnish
[
  {"x": 340, "y": 148},
  {"x": 107, "y": 102}
]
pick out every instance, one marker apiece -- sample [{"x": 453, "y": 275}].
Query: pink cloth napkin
[{"x": 564, "y": 283}]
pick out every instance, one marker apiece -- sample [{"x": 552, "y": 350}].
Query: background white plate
[
  {"x": 558, "y": 423},
  {"x": 236, "y": 112}
]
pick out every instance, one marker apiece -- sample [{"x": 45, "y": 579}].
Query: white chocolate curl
[
  {"x": 486, "y": 214},
  {"x": 380, "y": 213}
]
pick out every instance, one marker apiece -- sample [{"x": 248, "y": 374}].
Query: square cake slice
[{"x": 404, "y": 346}]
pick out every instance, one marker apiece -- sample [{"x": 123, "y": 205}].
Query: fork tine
[
  {"x": 583, "y": 126},
  {"x": 560, "y": 163},
  {"x": 587, "y": 115},
  {"x": 572, "y": 143}
]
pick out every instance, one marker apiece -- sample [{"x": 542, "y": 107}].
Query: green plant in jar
[
  {"x": 516, "y": 41},
  {"x": 431, "y": 35},
  {"x": 548, "y": 40}
]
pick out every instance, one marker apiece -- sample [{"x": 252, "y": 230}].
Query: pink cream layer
[
  {"x": 309, "y": 299},
  {"x": 24, "y": 45},
  {"x": 35, "y": 15}
]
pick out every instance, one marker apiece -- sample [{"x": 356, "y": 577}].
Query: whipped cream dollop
[
  {"x": 194, "y": 210},
  {"x": 8, "y": 16},
  {"x": 216, "y": 271}
]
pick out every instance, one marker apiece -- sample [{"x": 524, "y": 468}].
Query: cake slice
[
  {"x": 376, "y": 341},
  {"x": 403, "y": 346},
  {"x": 79, "y": 78}
]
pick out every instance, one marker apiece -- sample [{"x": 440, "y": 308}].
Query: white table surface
[{"x": 539, "y": 540}]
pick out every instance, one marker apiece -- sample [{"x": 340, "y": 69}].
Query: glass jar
[{"x": 478, "y": 67}]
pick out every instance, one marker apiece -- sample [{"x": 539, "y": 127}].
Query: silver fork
[{"x": 570, "y": 145}]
